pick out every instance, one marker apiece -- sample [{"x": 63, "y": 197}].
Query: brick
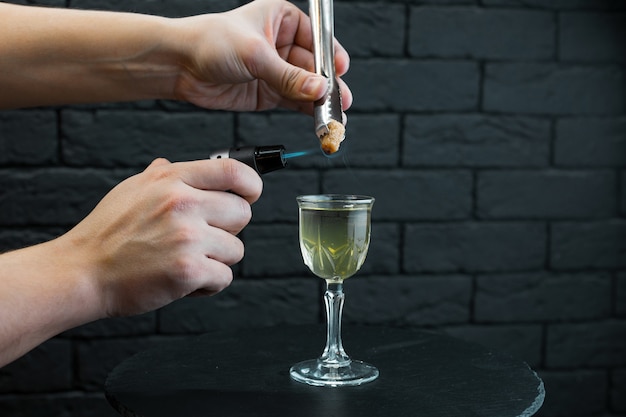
[
  {"x": 70, "y": 404},
  {"x": 28, "y": 137},
  {"x": 359, "y": 26},
  {"x": 553, "y": 89},
  {"x": 407, "y": 195},
  {"x": 97, "y": 358},
  {"x": 574, "y": 394},
  {"x": 558, "y": 4},
  {"x": 587, "y": 344},
  {"x": 415, "y": 300},
  {"x": 620, "y": 295},
  {"x": 542, "y": 297},
  {"x": 153, "y": 105},
  {"x": 597, "y": 142},
  {"x": 618, "y": 390},
  {"x": 246, "y": 304},
  {"x": 274, "y": 250},
  {"x": 12, "y": 239},
  {"x": 481, "y": 33},
  {"x": 475, "y": 141},
  {"x": 172, "y": 8},
  {"x": 143, "y": 324},
  {"x": 54, "y": 3},
  {"x": 48, "y": 367},
  {"x": 522, "y": 341},
  {"x": 372, "y": 141},
  {"x": 383, "y": 256},
  {"x": 623, "y": 193},
  {"x": 413, "y": 85},
  {"x": 280, "y": 189},
  {"x": 546, "y": 194},
  {"x": 446, "y": 2},
  {"x": 132, "y": 139},
  {"x": 474, "y": 247},
  {"x": 362, "y": 147},
  {"x": 592, "y": 36},
  {"x": 52, "y": 196},
  {"x": 598, "y": 244}
]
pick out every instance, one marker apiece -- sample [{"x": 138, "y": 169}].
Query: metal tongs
[{"x": 322, "y": 24}]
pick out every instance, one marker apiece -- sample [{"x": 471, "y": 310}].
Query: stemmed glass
[{"x": 334, "y": 239}]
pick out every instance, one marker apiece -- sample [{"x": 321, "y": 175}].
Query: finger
[
  {"x": 295, "y": 28},
  {"x": 215, "y": 277},
  {"x": 222, "y": 246},
  {"x": 303, "y": 39},
  {"x": 342, "y": 59},
  {"x": 290, "y": 81},
  {"x": 303, "y": 58},
  {"x": 346, "y": 95},
  {"x": 306, "y": 107},
  {"x": 225, "y": 210},
  {"x": 222, "y": 175},
  {"x": 298, "y": 56},
  {"x": 296, "y": 83}
]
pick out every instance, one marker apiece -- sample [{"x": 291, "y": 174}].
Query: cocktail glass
[{"x": 334, "y": 233}]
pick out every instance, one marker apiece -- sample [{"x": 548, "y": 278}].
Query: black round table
[{"x": 246, "y": 373}]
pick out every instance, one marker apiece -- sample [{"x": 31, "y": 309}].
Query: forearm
[
  {"x": 55, "y": 56},
  {"x": 43, "y": 292}
]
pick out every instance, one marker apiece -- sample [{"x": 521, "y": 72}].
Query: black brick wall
[{"x": 491, "y": 132}]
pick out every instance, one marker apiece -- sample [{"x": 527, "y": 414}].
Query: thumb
[
  {"x": 314, "y": 86},
  {"x": 293, "y": 82}
]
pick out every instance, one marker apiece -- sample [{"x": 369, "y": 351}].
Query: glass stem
[{"x": 334, "y": 356}]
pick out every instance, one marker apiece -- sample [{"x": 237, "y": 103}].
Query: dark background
[{"x": 492, "y": 134}]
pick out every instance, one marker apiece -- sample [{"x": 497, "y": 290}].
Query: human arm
[
  {"x": 158, "y": 236},
  {"x": 255, "y": 57}
]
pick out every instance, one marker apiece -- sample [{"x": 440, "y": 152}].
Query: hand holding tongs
[{"x": 322, "y": 23}]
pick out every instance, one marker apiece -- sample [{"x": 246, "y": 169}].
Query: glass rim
[{"x": 335, "y": 199}]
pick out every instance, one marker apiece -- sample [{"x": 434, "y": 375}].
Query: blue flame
[{"x": 298, "y": 154}]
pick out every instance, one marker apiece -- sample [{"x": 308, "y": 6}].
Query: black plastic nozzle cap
[{"x": 263, "y": 159}]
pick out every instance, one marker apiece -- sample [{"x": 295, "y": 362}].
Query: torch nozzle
[{"x": 262, "y": 159}]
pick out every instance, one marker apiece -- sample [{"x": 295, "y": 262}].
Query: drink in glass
[{"x": 334, "y": 233}]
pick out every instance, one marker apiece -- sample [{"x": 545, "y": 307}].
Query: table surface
[{"x": 246, "y": 373}]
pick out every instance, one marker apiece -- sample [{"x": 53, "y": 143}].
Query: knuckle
[
  {"x": 234, "y": 252},
  {"x": 221, "y": 278},
  {"x": 159, "y": 169},
  {"x": 239, "y": 252},
  {"x": 257, "y": 190},
  {"x": 238, "y": 213},
  {"x": 232, "y": 170},
  {"x": 245, "y": 212},
  {"x": 186, "y": 269},
  {"x": 178, "y": 201},
  {"x": 185, "y": 235}
]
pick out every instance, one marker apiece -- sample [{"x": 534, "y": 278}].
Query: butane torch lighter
[{"x": 263, "y": 159}]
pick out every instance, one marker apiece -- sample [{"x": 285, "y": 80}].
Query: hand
[
  {"x": 256, "y": 57},
  {"x": 165, "y": 233}
]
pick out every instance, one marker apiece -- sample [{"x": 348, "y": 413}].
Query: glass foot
[{"x": 315, "y": 372}]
